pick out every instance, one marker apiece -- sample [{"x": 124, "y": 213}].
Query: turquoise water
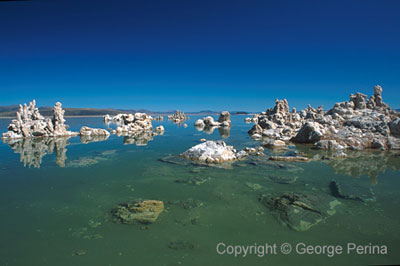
[{"x": 56, "y": 215}]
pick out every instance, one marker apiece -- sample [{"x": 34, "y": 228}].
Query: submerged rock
[
  {"x": 351, "y": 191},
  {"x": 193, "y": 180},
  {"x": 174, "y": 159},
  {"x": 180, "y": 245},
  {"x": 283, "y": 179},
  {"x": 145, "y": 212},
  {"x": 254, "y": 186},
  {"x": 300, "y": 211},
  {"x": 289, "y": 158},
  {"x": 83, "y": 162}
]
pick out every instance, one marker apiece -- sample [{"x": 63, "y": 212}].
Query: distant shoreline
[{"x": 78, "y": 116}]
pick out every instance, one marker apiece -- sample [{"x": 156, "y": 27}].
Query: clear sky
[{"x": 197, "y": 54}]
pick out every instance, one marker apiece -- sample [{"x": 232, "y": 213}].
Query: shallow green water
[{"x": 61, "y": 215}]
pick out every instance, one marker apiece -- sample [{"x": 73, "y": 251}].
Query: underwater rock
[
  {"x": 193, "y": 180},
  {"x": 79, "y": 253},
  {"x": 300, "y": 211},
  {"x": 145, "y": 212},
  {"x": 351, "y": 191},
  {"x": 289, "y": 158},
  {"x": 180, "y": 245},
  {"x": 83, "y": 162},
  {"x": 283, "y": 179},
  {"x": 253, "y": 186},
  {"x": 187, "y": 204},
  {"x": 174, "y": 159}
]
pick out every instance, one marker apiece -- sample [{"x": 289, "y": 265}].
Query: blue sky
[{"x": 197, "y": 55}]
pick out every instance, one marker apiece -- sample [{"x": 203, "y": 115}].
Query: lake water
[{"x": 55, "y": 215}]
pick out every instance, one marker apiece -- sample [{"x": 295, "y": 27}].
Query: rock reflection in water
[
  {"x": 140, "y": 139},
  {"x": 371, "y": 163},
  {"x": 90, "y": 138},
  {"x": 366, "y": 163},
  {"x": 223, "y": 131},
  {"x": 32, "y": 150}
]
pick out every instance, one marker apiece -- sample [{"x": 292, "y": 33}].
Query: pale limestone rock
[
  {"x": 30, "y": 123},
  {"x": 355, "y": 124},
  {"x": 212, "y": 152},
  {"x": 87, "y": 131},
  {"x": 311, "y": 132},
  {"x": 160, "y": 130},
  {"x": 178, "y": 117}
]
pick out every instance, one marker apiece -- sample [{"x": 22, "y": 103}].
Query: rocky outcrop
[
  {"x": 213, "y": 152},
  {"x": 158, "y": 118},
  {"x": 135, "y": 128},
  {"x": 178, "y": 117},
  {"x": 360, "y": 123},
  {"x": 224, "y": 120},
  {"x": 87, "y": 131},
  {"x": 89, "y": 135},
  {"x": 253, "y": 119},
  {"x": 159, "y": 130},
  {"x": 30, "y": 123},
  {"x": 394, "y": 126},
  {"x": 145, "y": 212},
  {"x": 311, "y": 132},
  {"x": 208, "y": 124},
  {"x": 133, "y": 123}
]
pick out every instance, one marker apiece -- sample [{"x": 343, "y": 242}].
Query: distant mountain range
[{"x": 10, "y": 111}]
